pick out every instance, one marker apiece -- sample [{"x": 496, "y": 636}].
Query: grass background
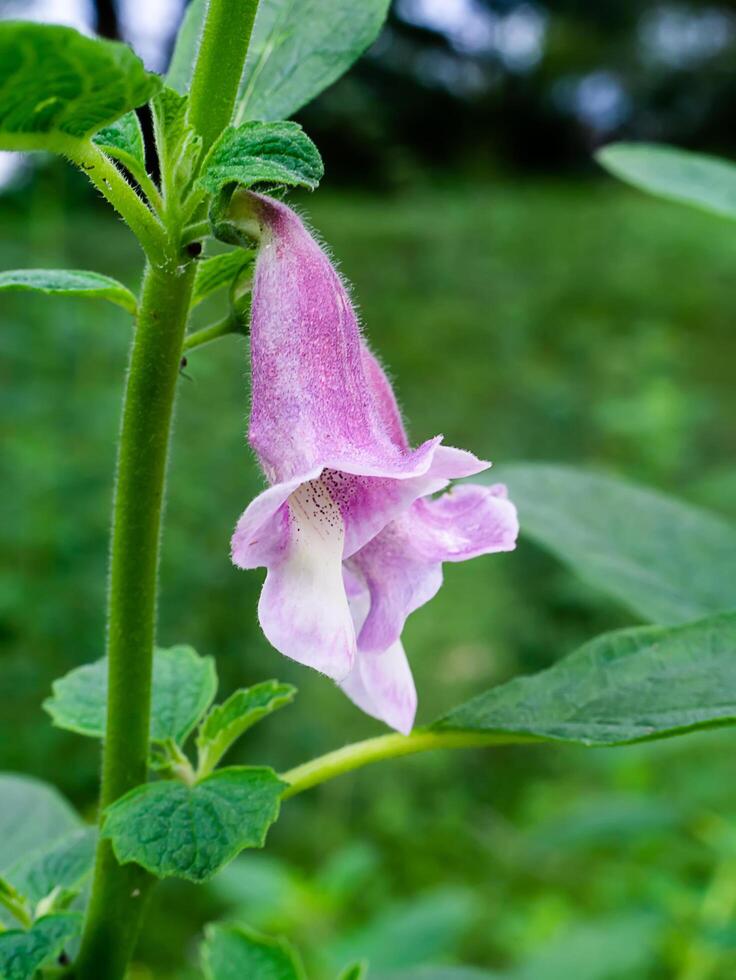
[{"x": 524, "y": 320}]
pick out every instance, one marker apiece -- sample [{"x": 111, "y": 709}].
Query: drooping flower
[
  {"x": 401, "y": 569},
  {"x": 344, "y": 483}
]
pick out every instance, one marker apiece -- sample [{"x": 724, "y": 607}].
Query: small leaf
[
  {"x": 704, "y": 182},
  {"x": 635, "y": 684},
  {"x": 263, "y": 155},
  {"x": 218, "y": 271},
  {"x": 33, "y": 815},
  {"x": 228, "y": 721},
  {"x": 68, "y": 282},
  {"x": 178, "y": 145},
  {"x": 57, "y": 86},
  {"x": 174, "y": 830},
  {"x": 670, "y": 562},
  {"x": 123, "y": 140},
  {"x": 357, "y": 971},
  {"x": 23, "y": 953},
  {"x": 184, "y": 686},
  {"x": 298, "y": 49},
  {"x": 234, "y": 952},
  {"x": 65, "y": 863}
]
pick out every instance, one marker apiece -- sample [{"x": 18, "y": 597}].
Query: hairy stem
[
  {"x": 361, "y": 754},
  {"x": 118, "y": 892},
  {"x": 219, "y": 67},
  {"x": 115, "y": 906},
  {"x": 115, "y": 188}
]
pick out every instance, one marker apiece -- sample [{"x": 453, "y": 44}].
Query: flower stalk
[{"x": 119, "y": 892}]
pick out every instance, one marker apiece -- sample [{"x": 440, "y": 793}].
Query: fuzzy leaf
[
  {"x": 298, "y": 49},
  {"x": 233, "y": 952},
  {"x": 32, "y": 816},
  {"x": 263, "y": 155},
  {"x": 68, "y": 282},
  {"x": 704, "y": 182},
  {"x": 123, "y": 140},
  {"x": 218, "y": 271},
  {"x": 668, "y": 561},
  {"x": 175, "y": 830},
  {"x": 228, "y": 721},
  {"x": 184, "y": 685},
  {"x": 57, "y": 87},
  {"x": 178, "y": 145},
  {"x": 23, "y": 953},
  {"x": 635, "y": 684},
  {"x": 64, "y": 863}
]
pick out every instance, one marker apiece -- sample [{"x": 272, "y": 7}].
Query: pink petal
[{"x": 402, "y": 566}]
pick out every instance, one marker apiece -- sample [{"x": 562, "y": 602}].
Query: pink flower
[{"x": 350, "y": 543}]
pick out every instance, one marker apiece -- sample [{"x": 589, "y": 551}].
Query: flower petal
[
  {"x": 303, "y": 609},
  {"x": 402, "y": 566},
  {"x": 381, "y": 684}
]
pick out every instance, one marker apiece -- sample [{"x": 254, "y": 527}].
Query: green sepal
[
  {"x": 58, "y": 87},
  {"x": 629, "y": 686},
  {"x": 191, "y": 832},
  {"x": 234, "y": 952},
  {"x": 226, "y": 722},
  {"x": 23, "y": 952},
  {"x": 184, "y": 686},
  {"x": 69, "y": 282}
]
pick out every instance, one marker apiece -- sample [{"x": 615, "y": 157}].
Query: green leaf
[
  {"x": 68, "y": 282},
  {"x": 635, "y": 684},
  {"x": 184, "y": 57},
  {"x": 174, "y": 830},
  {"x": 668, "y": 561},
  {"x": 218, "y": 271},
  {"x": 57, "y": 87},
  {"x": 228, "y": 721},
  {"x": 263, "y": 155},
  {"x": 32, "y": 816},
  {"x": 23, "y": 953},
  {"x": 184, "y": 686},
  {"x": 123, "y": 140},
  {"x": 64, "y": 863},
  {"x": 704, "y": 182},
  {"x": 178, "y": 145},
  {"x": 357, "y": 971},
  {"x": 233, "y": 952},
  {"x": 298, "y": 49}
]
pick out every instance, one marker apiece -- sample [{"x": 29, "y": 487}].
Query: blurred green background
[{"x": 526, "y": 316}]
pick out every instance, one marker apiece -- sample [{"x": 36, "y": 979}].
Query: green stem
[
  {"x": 115, "y": 188},
  {"x": 229, "y": 324},
  {"x": 220, "y": 61},
  {"x": 361, "y": 754},
  {"x": 117, "y": 896}
]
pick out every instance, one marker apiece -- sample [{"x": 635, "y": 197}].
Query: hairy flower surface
[{"x": 350, "y": 543}]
